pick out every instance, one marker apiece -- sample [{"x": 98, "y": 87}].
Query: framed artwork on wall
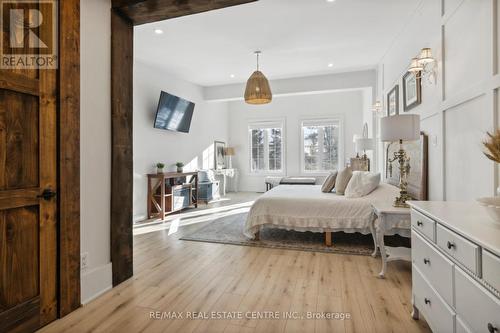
[
  {"x": 412, "y": 91},
  {"x": 393, "y": 101},
  {"x": 220, "y": 158}
]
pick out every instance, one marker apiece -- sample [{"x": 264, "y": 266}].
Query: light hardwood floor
[{"x": 182, "y": 276}]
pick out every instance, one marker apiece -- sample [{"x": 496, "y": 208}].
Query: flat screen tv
[{"x": 174, "y": 113}]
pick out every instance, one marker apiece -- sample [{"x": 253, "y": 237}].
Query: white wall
[
  {"x": 461, "y": 106},
  {"x": 348, "y": 105},
  {"x": 95, "y": 140},
  {"x": 195, "y": 149}
]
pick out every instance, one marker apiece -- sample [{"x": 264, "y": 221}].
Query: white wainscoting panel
[
  {"x": 467, "y": 41},
  {"x": 468, "y": 174}
]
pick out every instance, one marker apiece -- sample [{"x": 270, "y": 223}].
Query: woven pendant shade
[{"x": 258, "y": 90}]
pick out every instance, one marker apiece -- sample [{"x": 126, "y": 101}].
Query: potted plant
[
  {"x": 492, "y": 152},
  {"x": 159, "y": 167},
  {"x": 179, "y": 166}
]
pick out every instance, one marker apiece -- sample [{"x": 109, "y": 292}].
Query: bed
[{"x": 306, "y": 208}]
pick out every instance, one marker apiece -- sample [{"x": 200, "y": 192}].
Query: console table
[
  {"x": 171, "y": 192},
  {"x": 456, "y": 266},
  {"x": 227, "y": 173}
]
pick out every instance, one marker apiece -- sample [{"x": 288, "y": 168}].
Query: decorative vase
[
  {"x": 179, "y": 170},
  {"x": 159, "y": 170},
  {"x": 492, "y": 206}
]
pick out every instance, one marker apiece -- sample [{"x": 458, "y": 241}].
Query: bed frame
[{"x": 328, "y": 238}]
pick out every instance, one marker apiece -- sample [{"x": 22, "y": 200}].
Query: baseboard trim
[{"x": 96, "y": 282}]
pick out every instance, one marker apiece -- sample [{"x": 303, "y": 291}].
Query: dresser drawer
[
  {"x": 438, "y": 315},
  {"x": 474, "y": 304},
  {"x": 423, "y": 224},
  {"x": 434, "y": 266},
  {"x": 491, "y": 269},
  {"x": 464, "y": 251}
]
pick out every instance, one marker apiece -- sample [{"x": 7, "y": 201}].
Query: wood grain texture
[
  {"x": 69, "y": 156},
  {"x": 48, "y": 180},
  {"x": 19, "y": 258},
  {"x": 19, "y": 137},
  {"x": 147, "y": 11},
  {"x": 28, "y": 166},
  {"x": 17, "y": 82},
  {"x": 122, "y": 38},
  {"x": 176, "y": 275}
]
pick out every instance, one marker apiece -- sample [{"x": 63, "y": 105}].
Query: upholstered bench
[{"x": 275, "y": 181}]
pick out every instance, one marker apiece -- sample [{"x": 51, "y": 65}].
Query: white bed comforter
[{"x": 306, "y": 208}]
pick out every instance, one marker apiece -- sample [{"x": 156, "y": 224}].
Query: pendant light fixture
[{"x": 258, "y": 90}]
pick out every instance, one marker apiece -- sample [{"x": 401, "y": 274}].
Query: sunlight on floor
[{"x": 173, "y": 222}]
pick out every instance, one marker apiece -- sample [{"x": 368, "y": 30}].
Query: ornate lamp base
[{"x": 401, "y": 200}]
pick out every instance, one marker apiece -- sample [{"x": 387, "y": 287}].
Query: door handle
[{"x": 47, "y": 194}]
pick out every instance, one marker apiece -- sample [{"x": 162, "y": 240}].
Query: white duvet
[{"x": 306, "y": 208}]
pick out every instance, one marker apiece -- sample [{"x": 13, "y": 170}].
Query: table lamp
[
  {"x": 229, "y": 151},
  {"x": 401, "y": 128},
  {"x": 364, "y": 144}
]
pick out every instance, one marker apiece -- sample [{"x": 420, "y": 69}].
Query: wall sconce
[
  {"x": 377, "y": 108},
  {"x": 424, "y": 66}
]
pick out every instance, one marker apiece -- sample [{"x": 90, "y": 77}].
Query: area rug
[{"x": 229, "y": 230}]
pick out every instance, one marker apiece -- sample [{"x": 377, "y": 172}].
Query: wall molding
[{"x": 96, "y": 282}]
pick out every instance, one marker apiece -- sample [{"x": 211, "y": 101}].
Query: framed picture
[
  {"x": 393, "y": 101},
  {"x": 220, "y": 158},
  {"x": 412, "y": 91}
]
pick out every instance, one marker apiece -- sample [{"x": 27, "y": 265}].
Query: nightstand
[{"x": 387, "y": 221}]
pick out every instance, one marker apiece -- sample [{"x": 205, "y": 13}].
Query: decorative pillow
[
  {"x": 343, "y": 179},
  {"x": 329, "y": 183},
  {"x": 362, "y": 183}
]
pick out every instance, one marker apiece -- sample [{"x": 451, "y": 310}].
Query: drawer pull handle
[
  {"x": 427, "y": 301},
  {"x": 419, "y": 223},
  {"x": 426, "y": 261},
  {"x": 450, "y": 245},
  {"x": 491, "y": 328}
]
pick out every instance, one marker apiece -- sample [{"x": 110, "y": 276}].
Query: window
[
  {"x": 321, "y": 145},
  {"x": 266, "y": 147}
]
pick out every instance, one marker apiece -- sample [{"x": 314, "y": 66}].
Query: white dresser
[{"x": 456, "y": 267}]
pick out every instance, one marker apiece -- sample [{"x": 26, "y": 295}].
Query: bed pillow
[
  {"x": 362, "y": 183},
  {"x": 343, "y": 179},
  {"x": 329, "y": 183}
]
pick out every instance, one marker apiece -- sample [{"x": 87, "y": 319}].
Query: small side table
[{"x": 387, "y": 221}]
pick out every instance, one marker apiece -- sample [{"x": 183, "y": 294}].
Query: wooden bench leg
[
  {"x": 328, "y": 238},
  {"x": 257, "y": 236}
]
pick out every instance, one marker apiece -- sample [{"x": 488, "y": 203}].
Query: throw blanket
[{"x": 306, "y": 208}]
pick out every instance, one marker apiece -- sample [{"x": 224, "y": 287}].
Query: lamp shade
[
  {"x": 363, "y": 144},
  {"x": 229, "y": 151},
  {"x": 425, "y": 56},
  {"x": 404, "y": 127},
  {"x": 258, "y": 90},
  {"x": 415, "y": 66}
]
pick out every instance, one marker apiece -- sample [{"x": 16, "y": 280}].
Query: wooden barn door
[{"x": 28, "y": 176}]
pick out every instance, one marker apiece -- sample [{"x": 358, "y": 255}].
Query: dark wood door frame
[
  {"x": 69, "y": 156},
  {"x": 125, "y": 14}
]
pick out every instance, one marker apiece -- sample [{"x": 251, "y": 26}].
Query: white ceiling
[{"x": 297, "y": 38}]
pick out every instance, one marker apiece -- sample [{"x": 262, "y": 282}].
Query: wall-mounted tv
[{"x": 174, "y": 113}]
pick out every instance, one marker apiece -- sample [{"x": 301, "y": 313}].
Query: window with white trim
[
  {"x": 266, "y": 147},
  {"x": 321, "y": 145}
]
